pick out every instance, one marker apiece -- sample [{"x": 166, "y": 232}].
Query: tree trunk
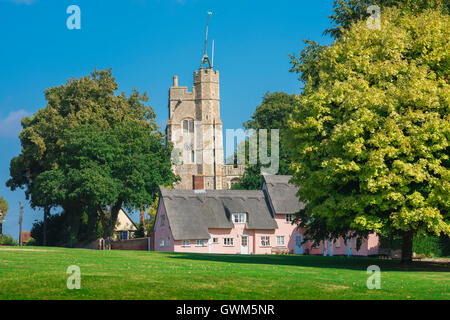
[
  {"x": 104, "y": 223},
  {"x": 407, "y": 243},
  {"x": 114, "y": 214}
]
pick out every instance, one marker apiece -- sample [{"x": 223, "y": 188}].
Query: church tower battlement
[{"x": 195, "y": 129}]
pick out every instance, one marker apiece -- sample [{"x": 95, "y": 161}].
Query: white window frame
[
  {"x": 215, "y": 240},
  {"x": 161, "y": 242},
  {"x": 228, "y": 242},
  {"x": 289, "y": 218},
  {"x": 201, "y": 243},
  {"x": 265, "y": 241},
  {"x": 279, "y": 244},
  {"x": 241, "y": 217},
  {"x": 186, "y": 243}
]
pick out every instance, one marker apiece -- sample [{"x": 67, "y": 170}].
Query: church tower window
[{"x": 188, "y": 126}]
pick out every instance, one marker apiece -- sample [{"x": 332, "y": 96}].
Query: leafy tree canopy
[
  {"x": 370, "y": 142},
  {"x": 3, "y": 206},
  {"x": 88, "y": 100},
  {"x": 109, "y": 169},
  {"x": 273, "y": 113},
  {"x": 90, "y": 151},
  {"x": 347, "y": 12}
]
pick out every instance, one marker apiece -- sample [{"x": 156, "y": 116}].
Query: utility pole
[
  {"x": 20, "y": 224},
  {"x": 46, "y": 214}
]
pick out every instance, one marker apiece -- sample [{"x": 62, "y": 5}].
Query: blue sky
[{"x": 146, "y": 42}]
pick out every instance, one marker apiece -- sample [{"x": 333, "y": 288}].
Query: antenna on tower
[
  {"x": 212, "y": 55},
  {"x": 205, "y": 58}
]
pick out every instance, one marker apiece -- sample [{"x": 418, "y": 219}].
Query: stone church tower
[{"x": 195, "y": 129}]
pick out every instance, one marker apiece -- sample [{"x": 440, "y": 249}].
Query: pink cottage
[{"x": 241, "y": 222}]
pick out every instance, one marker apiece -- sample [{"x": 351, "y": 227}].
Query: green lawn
[{"x": 40, "y": 273}]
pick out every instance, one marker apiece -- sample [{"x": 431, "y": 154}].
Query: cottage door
[
  {"x": 298, "y": 244},
  {"x": 330, "y": 247},
  {"x": 244, "y": 244},
  {"x": 349, "y": 248}
]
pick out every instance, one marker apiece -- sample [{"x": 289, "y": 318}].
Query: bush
[
  {"x": 7, "y": 240},
  {"x": 57, "y": 231},
  {"x": 430, "y": 246},
  {"x": 31, "y": 242}
]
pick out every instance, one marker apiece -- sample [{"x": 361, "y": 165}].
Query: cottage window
[
  {"x": 265, "y": 241},
  {"x": 215, "y": 240},
  {"x": 289, "y": 217},
  {"x": 280, "y": 240},
  {"x": 200, "y": 243},
  {"x": 228, "y": 242},
  {"x": 239, "y": 217},
  {"x": 163, "y": 219},
  {"x": 161, "y": 242},
  {"x": 185, "y": 243}
]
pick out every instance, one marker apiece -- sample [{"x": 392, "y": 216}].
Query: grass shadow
[{"x": 337, "y": 262}]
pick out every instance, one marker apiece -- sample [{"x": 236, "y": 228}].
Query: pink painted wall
[
  {"x": 286, "y": 229},
  {"x": 163, "y": 232},
  {"x": 369, "y": 246}
]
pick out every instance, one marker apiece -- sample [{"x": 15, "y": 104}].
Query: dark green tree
[
  {"x": 105, "y": 169},
  {"x": 273, "y": 113},
  {"x": 89, "y": 101}
]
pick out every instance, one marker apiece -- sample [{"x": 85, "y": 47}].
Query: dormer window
[{"x": 240, "y": 217}]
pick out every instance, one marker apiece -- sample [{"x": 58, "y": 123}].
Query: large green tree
[
  {"x": 88, "y": 101},
  {"x": 272, "y": 113},
  {"x": 346, "y": 13},
  {"x": 370, "y": 141},
  {"x": 105, "y": 169}
]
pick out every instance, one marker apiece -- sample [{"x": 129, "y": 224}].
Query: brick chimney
[
  {"x": 198, "y": 182},
  {"x": 175, "y": 81}
]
